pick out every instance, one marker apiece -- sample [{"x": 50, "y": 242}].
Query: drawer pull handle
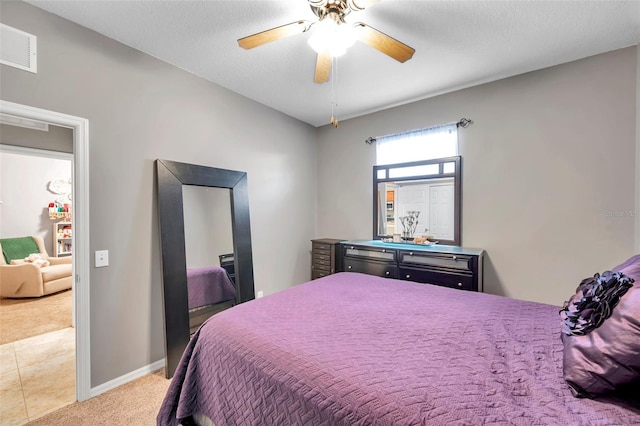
[
  {"x": 459, "y": 284},
  {"x": 386, "y": 273},
  {"x": 408, "y": 276},
  {"x": 455, "y": 257},
  {"x": 384, "y": 251},
  {"x": 410, "y": 253},
  {"x": 349, "y": 267}
]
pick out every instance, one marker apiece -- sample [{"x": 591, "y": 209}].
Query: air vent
[
  {"x": 27, "y": 123},
  {"x": 18, "y": 49}
]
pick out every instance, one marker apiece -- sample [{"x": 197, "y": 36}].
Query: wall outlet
[
  {"x": 259, "y": 294},
  {"x": 102, "y": 258}
]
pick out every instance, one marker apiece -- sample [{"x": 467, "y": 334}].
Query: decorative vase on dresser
[
  {"x": 449, "y": 266},
  {"x": 323, "y": 257}
]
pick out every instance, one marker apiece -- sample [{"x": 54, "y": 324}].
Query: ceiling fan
[{"x": 332, "y": 35}]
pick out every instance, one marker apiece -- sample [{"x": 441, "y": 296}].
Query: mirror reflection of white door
[
  {"x": 413, "y": 197},
  {"x": 441, "y": 211}
]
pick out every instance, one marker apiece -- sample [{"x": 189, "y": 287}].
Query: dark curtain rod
[{"x": 464, "y": 123}]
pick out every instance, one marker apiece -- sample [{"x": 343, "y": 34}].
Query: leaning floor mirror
[{"x": 205, "y": 239}]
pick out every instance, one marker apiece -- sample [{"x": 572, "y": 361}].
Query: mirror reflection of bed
[
  {"x": 208, "y": 238},
  {"x": 205, "y": 236}
]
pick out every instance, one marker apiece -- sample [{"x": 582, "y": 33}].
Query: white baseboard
[{"x": 129, "y": 377}]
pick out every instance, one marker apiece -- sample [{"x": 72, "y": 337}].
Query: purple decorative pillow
[
  {"x": 630, "y": 268},
  {"x": 601, "y": 332}
]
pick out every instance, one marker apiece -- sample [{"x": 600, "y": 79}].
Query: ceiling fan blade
[
  {"x": 360, "y": 4},
  {"x": 273, "y": 34},
  {"x": 323, "y": 67},
  {"x": 384, "y": 43}
]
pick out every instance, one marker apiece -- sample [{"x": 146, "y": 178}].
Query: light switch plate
[{"x": 102, "y": 258}]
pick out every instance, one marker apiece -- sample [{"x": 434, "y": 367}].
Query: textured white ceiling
[{"x": 458, "y": 44}]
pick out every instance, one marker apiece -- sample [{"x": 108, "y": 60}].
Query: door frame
[{"x": 80, "y": 213}]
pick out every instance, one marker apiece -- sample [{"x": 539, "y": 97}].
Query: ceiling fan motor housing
[
  {"x": 345, "y": 6},
  {"x": 336, "y": 9}
]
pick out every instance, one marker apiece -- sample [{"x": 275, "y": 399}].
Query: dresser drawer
[
  {"x": 321, "y": 255},
  {"x": 453, "y": 262},
  {"x": 381, "y": 255},
  {"x": 321, "y": 267},
  {"x": 321, "y": 260},
  {"x": 381, "y": 269},
  {"x": 460, "y": 281},
  {"x": 322, "y": 271},
  {"x": 316, "y": 273},
  {"x": 321, "y": 248}
]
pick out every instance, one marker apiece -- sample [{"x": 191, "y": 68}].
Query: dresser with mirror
[{"x": 417, "y": 228}]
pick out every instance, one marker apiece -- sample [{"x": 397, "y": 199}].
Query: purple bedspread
[
  {"x": 209, "y": 285},
  {"x": 353, "y": 349}
]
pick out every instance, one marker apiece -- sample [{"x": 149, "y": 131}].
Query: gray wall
[
  {"x": 141, "y": 109},
  {"x": 28, "y": 171},
  {"x": 550, "y": 156},
  {"x": 55, "y": 139}
]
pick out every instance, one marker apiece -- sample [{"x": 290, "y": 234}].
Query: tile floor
[{"x": 37, "y": 376}]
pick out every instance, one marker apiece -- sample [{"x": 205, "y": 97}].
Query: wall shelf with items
[
  {"x": 62, "y": 238},
  {"x": 60, "y": 211}
]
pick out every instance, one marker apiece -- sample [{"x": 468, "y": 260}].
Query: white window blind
[{"x": 417, "y": 145}]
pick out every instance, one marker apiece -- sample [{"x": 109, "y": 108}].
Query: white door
[
  {"x": 441, "y": 211},
  {"x": 413, "y": 197}
]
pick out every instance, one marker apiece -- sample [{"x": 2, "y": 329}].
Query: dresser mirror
[
  {"x": 418, "y": 199},
  {"x": 184, "y": 193}
]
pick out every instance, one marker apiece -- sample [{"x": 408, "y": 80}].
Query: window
[{"x": 417, "y": 145}]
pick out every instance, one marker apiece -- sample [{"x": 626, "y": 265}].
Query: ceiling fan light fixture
[{"x": 333, "y": 36}]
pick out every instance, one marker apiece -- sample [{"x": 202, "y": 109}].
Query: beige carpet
[
  {"x": 135, "y": 403},
  {"x": 22, "y": 318}
]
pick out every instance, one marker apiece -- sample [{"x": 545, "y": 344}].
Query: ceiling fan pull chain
[{"x": 334, "y": 105}]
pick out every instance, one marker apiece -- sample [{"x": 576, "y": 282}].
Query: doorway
[
  {"x": 80, "y": 214},
  {"x": 37, "y": 338}
]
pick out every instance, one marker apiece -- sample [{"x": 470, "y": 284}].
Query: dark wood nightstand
[{"x": 323, "y": 257}]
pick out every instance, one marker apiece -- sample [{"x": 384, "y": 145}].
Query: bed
[
  {"x": 210, "y": 290},
  {"x": 355, "y": 349}
]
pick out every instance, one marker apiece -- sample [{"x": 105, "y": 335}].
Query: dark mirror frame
[
  {"x": 457, "y": 175},
  {"x": 171, "y": 175}
]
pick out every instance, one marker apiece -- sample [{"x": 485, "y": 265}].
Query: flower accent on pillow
[{"x": 593, "y": 302}]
